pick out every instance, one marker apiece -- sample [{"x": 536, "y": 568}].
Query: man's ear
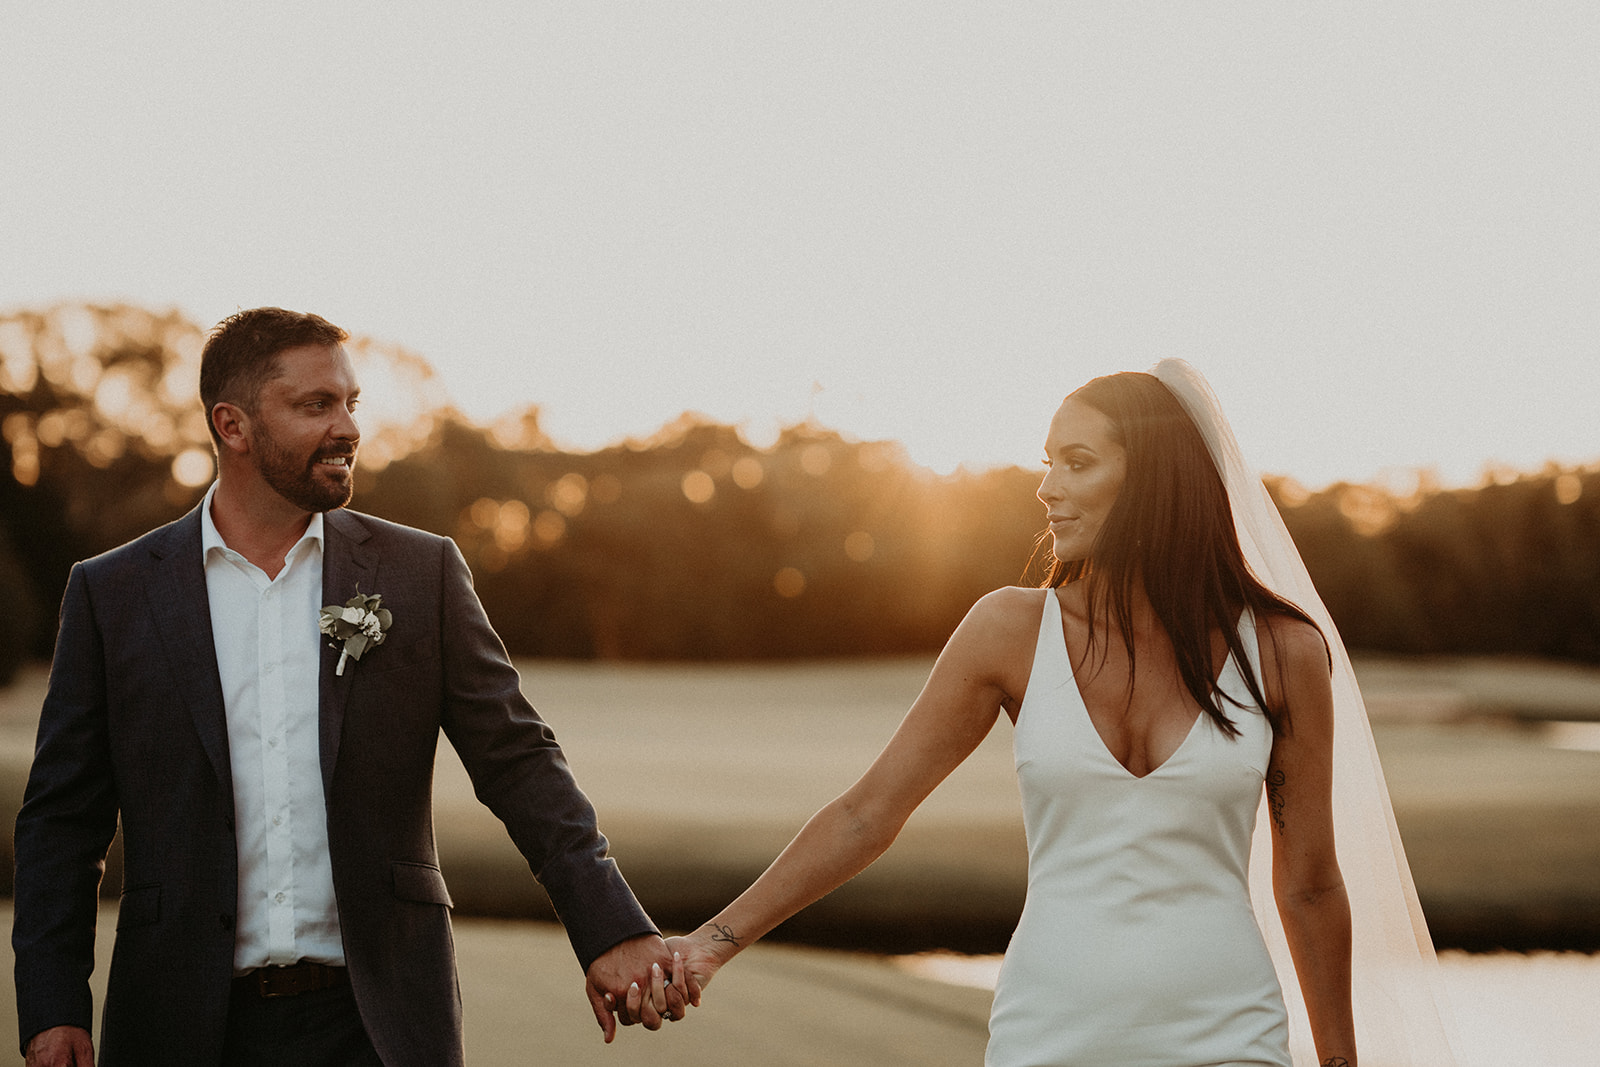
[{"x": 232, "y": 424}]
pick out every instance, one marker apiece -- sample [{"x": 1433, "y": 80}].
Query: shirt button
[
  {"x": 278, "y": 898},
  {"x": 273, "y": 741},
  {"x": 277, "y": 820}
]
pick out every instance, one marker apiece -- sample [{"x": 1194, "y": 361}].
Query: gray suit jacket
[{"x": 134, "y": 727}]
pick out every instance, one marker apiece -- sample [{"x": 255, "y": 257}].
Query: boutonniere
[{"x": 360, "y": 624}]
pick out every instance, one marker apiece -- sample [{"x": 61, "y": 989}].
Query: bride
[{"x": 1177, "y": 668}]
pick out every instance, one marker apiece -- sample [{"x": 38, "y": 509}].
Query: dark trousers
[{"x": 319, "y": 1028}]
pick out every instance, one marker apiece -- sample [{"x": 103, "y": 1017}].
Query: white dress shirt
[{"x": 268, "y": 648}]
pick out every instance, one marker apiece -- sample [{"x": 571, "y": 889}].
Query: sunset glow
[{"x": 1375, "y": 232}]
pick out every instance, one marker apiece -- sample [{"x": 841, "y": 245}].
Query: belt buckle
[{"x": 276, "y": 982}]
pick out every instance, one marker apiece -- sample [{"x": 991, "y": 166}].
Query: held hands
[
  {"x": 631, "y": 980},
  {"x": 700, "y": 955}
]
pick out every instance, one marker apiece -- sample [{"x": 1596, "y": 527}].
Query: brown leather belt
[{"x": 292, "y": 980}]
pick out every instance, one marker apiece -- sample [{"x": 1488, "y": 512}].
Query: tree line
[{"x": 696, "y": 544}]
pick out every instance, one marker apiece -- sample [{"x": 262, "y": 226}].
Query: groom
[{"x": 282, "y": 901}]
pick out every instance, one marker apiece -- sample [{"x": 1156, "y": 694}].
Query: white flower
[{"x": 360, "y": 624}]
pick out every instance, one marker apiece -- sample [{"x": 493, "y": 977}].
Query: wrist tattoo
[
  {"x": 1275, "y": 782},
  {"x": 723, "y": 933},
  {"x": 1335, "y": 1061}
]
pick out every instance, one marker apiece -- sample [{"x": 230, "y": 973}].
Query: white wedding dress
[
  {"x": 1137, "y": 946},
  {"x": 1402, "y": 1017}
]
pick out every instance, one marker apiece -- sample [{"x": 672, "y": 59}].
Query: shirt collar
[{"x": 210, "y": 539}]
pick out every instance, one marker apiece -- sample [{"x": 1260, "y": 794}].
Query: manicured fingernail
[
  {"x": 655, "y": 970},
  {"x": 609, "y": 999},
  {"x": 634, "y": 988},
  {"x": 677, "y": 957}
]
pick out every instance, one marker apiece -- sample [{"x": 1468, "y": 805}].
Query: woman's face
[{"x": 1087, "y": 467}]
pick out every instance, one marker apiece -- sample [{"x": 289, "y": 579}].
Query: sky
[{"x": 1374, "y": 226}]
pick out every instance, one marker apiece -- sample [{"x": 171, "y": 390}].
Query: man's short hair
[{"x": 241, "y": 355}]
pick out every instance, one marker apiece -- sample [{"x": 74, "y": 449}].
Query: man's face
[{"x": 303, "y": 436}]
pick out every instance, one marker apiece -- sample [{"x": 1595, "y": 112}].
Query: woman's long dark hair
[{"x": 1171, "y": 528}]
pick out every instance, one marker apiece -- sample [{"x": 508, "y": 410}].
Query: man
[{"x": 282, "y": 901}]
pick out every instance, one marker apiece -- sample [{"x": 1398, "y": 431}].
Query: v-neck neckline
[
  {"x": 1083, "y": 704},
  {"x": 1106, "y": 749}
]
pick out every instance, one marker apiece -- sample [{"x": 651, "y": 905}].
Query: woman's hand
[
  {"x": 696, "y": 960},
  {"x": 651, "y": 1005}
]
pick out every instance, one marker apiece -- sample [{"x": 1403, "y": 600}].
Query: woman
[{"x": 1155, "y": 685}]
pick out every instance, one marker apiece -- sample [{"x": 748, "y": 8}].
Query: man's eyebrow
[{"x": 325, "y": 394}]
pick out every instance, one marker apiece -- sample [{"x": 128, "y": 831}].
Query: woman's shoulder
[
  {"x": 1296, "y": 643},
  {"x": 997, "y": 639},
  {"x": 1012, "y": 604},
  {"x": 1001, "y": 616}
]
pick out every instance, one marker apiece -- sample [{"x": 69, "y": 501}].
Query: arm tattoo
[
  {"x": 1335, "y": 1061},
  {"x": 723, "y": 933},
  {"x": 1275, "y": 782}
]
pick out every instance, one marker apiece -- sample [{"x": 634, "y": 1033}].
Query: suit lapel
[
  {"x": 349, "y": 563},
  {"x": 182, "y": 610}
]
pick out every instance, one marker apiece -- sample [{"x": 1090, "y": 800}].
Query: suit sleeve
[
  {"x": 66, "y": 823},
  {"x": 520, "y": 773}
]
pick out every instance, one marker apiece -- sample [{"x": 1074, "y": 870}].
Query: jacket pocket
[
  {"x": 420, "y": 882},
  {"x": 140, "y": 906}
]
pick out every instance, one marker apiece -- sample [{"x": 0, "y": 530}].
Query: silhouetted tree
[{"x": 694, "y": 544}]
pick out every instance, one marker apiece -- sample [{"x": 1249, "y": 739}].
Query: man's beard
[{"x": 296, "y": 480}]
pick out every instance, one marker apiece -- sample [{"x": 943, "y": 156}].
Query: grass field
[{"x": 702, "y": 773}]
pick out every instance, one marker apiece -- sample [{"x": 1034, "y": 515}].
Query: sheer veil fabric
[{"x": 1402, "y": 1018}]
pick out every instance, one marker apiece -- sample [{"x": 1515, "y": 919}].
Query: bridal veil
[{"x": 1401, "y": 1016}]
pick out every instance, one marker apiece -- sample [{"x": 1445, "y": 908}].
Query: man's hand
[
  {"x": 61, "y": 1046},
  {"x": 630, "y": 980}
]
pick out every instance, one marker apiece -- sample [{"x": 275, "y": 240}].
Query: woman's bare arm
[
  {"x": 982, "y": 669},
  {"x": 1306, "y": 880}
]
